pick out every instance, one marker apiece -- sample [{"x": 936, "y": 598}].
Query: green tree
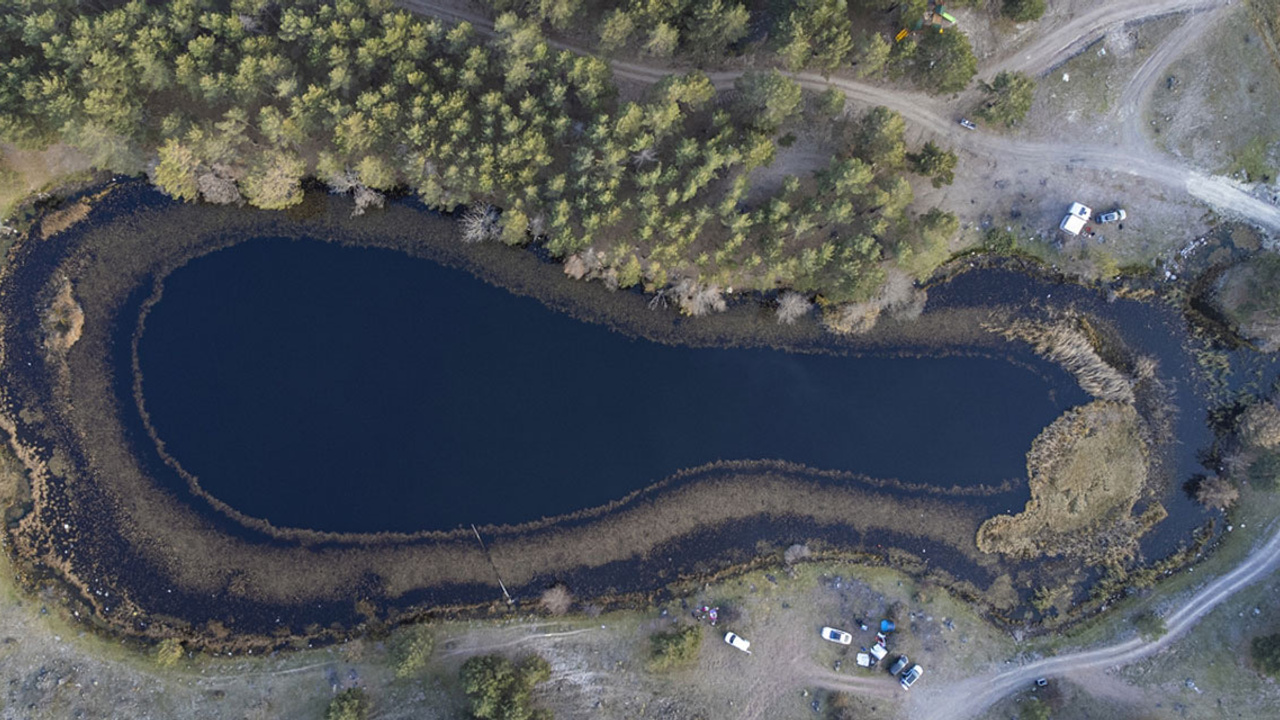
[
  {"x": 663, "y": 40},
  {"x": 1266, "y": 654},
  {"x": 878, "y": 138},
  {"x": 411, "y": 650},
  {"x": 831, "y": 102},
  {"x": 766, "y": 99},
  {"x": 714, "y": 25},
  {"x": 944, "y": 61},
  {"x": 676, "y": 648},
  {"x": 350, "y": 704},
  {"x": 501, "y": 690},
  {"x": 560, "y": 13},
  {"x": 1008, "y": 98},
  {"x": 1023, "y": 10},
  {"x": 175, "y": 175},
  {"x": 818, "y": 33},
  {"x": 615, "y": 30},
  {"x": 275, "y": 182},
  {"x": 934, "y": 162},
  {"x": 870, "y": 54}
]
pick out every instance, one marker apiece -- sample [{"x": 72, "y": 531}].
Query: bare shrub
[
  {"x": 852, "y": 318},
  {"x": 898, "y": 297},
  {"x": 795, "y": 554},
  {"x": 367, "y": 198},
  {"x": 557, "y": 599},
  {"x": 792, "y": 306},
  {"x": 1260, "y": 425},
  {"x": 217, "y": 186},
  {"x": 1217, "y": 492},
  {"x": 697, "y": 300},
  {"x": 480, "y": 222},
  {"x": 586, "y": 264}
]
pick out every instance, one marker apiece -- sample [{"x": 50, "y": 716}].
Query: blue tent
[{"x": 886, "y": 626}]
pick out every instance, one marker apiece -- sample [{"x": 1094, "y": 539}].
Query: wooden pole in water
[{"x": 492, "y": 565}]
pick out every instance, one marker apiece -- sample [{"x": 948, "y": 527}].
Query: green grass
[{"x": 1253, "y": 159}]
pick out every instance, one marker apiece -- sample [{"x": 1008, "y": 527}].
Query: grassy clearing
[{"x": 1086, "y": 471}]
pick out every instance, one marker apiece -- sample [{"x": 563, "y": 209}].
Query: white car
[
  {"x": 738, "y": 642},
  {"x": 911, "y": 677},
  {"x": 836, "y": 636},
  {"x": 1114, "y": 216}
]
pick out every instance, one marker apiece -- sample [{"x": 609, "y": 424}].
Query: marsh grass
[
  {"x": 1087, "y": 471},
  {"x": 1067, "y": 341}
]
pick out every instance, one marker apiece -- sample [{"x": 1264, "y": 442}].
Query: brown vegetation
[
  {"x": 1066, "y": 342},
  {"x": 1217, "y": 492},
  {"x": 557, "y": 599},
  {"x": 64, "y": 319},
  {"x": 1260, "y": 425},
  {"x": 1087, "y": 470},
  {"x": 61, "y": 219}
]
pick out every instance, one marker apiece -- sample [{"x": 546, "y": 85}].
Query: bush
[
  {"x": 1264, "y": 471},
  {"x": 675, "y": 649},
  {"x": 411, "y": 650},
  {"x": 1009, "y": 98},
  {"x": 502, "y": 690},
  {"x": 557, "y": 599},
  {"x": 1216, "y": 492},
  {"x": 1150, "y": 625},
  {"x": 1023, "y": 10},
  {"x": 945, "y": 61},
  {"x": 350, "y": 704},
  {"x": 169, "y": 652},
  {"x": 1266, "y": 654}
]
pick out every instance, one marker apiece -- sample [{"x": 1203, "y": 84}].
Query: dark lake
[{"x": 345, "y": 389}]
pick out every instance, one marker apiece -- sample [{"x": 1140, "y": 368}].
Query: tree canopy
[
  {"x": 1008, "y": 98},
  {"x": 502, "y": 690},
  {"x": 243, "y": 102}
]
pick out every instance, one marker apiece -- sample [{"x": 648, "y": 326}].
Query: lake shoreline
[{"x": 322, "y": 579}]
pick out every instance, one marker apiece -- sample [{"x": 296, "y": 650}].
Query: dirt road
[
  {"x": 970, "y": 697},
  {"x": 937, "y": 116}
]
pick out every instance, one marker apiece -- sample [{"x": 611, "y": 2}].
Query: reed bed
[{"x": 1066, "y": 342}]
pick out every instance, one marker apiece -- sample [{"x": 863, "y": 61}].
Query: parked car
[
  {"x": 1114, "y": 216},
  {"x": 967, "y": 124},
  {"x": 738, "y": 642},
  {"x": 836, "y": 636},
  {"x": 911, "y": 677},
  {"x": 898, "y": 665}
]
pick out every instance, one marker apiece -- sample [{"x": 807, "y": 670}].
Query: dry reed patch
[
  {"x": 64, "y": 320},
  {"x": 59, "y": 220},
  {"x": 1087, "y": 471},
  {"x": 1067, "y": 341}
]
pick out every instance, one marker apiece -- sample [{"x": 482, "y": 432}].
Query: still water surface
[{"x": 345, "y": 389}]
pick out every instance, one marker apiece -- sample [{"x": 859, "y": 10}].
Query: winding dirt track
[
  {"x": 971, "y": 696},
  {"x": 937, "y": 116}
]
